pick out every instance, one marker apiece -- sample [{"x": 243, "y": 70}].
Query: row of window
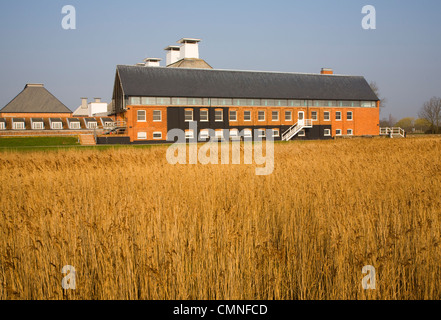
[
  {"x": 142, "y": 116},
  {"x": 53, "y": 125},
  {"x": 247, "y": 102},
  {"x": 234, "y": 133},
  {"x": 261, "y": 115}
]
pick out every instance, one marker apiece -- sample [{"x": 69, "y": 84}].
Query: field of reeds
[{"x": 136, "y": 227}]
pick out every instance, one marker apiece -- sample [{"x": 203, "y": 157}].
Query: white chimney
[
  {"x": 189, "y": 48},
  {"x": 152, "y": 62},
  {"x": 173, "y": 54},
  {"x": 97, "y": 100},
  {"x": 84, "y": 104}
]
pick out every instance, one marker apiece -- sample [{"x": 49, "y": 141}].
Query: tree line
[{"x": 428, "y": 121}]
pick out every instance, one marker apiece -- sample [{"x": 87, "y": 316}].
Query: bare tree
[
  {"x": 431, "y": 111},
  {"x": 376, "y": 90}
]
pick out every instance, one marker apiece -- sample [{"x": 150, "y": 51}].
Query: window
[
  {"x": 349, "y": 132},
  {"x": 234, "y": 134},
  {"x": 37, "y": 125},
  {"x": 157, "y": 116},
  {"x": 179, "y": 101},
  {"x": 261, "y": 116},
  {"x": 56, "y": 125},
  {"x": 275, "y": 115},
  {"x": 327, "y": 116},
  {"x": 219, "y": 134},
  {"x": 254, "y": 102},
  {"x": 288, "y": 116},
  {"x": 189, "y": 134},
  {"x": 338, "y": 115},
  {"x": 203, "y": 115},
  {"x": 141, "y": 116},
  {"x": 338, "y": 132},
  {"x": 302, "y": 133},
  {"x": 218, "y": 115},
  {"x": 247, "y": 115},
  {"x": 18, "y": 126},
  {"x": 74, "y": 126},
  {"x": 276, "y": 133},
  {"x": 247, "y": 133},
  {"x": 163, "y": 101},
  {"x": 314, "y": 115},
  {"x": 157, "y": 135},
  {"x": 188, "y": 115},
  {"x": 233, "y": 115},
  {"x": 2, "y": 125},
  {"x": 327, "y": 132},
  {"x": 135, "y": 100},
  {"x": 92, "y": 125},
  {"x": 142, "y": 135},
  {"x": 204, "y": 134},
  {"x": 349, "y": 115},
  {"x": 262, "y": 133},
  {"x": 148, "y": 101}
]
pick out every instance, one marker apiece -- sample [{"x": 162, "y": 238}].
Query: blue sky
[{"x": 402, "y": 55}]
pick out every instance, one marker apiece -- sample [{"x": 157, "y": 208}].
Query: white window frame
[
  {"x": 259, "y": 112},
  {"x": 244, "y": 117},
  {"x": 92, "y": 125},
  {"x": 2, "y": 125},
  {"x": 329, "y": 116},
  {"x": 18, "y": 126},
  {"x": 278, "y": 133},
  {"x": 142, "y": 135},
  {"x": 74, "y": 124},
  {"x": 219, "y": 134},
  {"x": 352, "y": 115},
  {"x": 160, "y": 116},
  {"x": 327, "y": 132},
  {"x": 235, "y": 115},
  {"x": 189, "y": 134},
  {"x": 38, "y": 124},
  {"x": 338, "y": 113},
  {"x": 262, "y": 133},
  {"x": 138, "y": 114},
  {"x": 302, "y": 133},
  {"x": 247, "y": 133},
  {"x": 290, "y": 115},
  {"x": 219, "y": 112},
  {"x": 316, "y": 115},
  {"x": 338, "y": 132},
  {"x": 349, "y": 130},
  {"x": 56, "y": 125},
  {"x": 204, "y": 134},
  {"x": 185, "y": 115},
  {"x": 200, "y": 115},
  {"x": 156, "y": 133},
  {"x": 278, "y": 115}
]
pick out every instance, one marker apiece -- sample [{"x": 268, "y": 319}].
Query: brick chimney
[{"x": 326, "y": 71}]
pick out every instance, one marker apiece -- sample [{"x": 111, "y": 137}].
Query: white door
[{"x": 301, "y": 117}]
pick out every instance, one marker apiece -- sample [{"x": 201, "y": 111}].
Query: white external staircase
[{"x": 296, "y": 128}]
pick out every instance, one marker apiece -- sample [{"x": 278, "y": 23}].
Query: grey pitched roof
[
  {"x": 206, "y": 83},
  {"x": 35, "y": 99}
]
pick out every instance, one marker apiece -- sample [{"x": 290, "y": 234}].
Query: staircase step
[{"x": 87, "y": 140}]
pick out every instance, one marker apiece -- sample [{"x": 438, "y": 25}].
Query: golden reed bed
[{"x": 136, "y": 227}]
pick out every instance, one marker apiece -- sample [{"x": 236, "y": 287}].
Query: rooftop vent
[
  {"x": 152, "y": 62},
  {"x": 173, "y": 54},
  {"x": 189, "y": 48},
  {"x": 35, "y": 85}
]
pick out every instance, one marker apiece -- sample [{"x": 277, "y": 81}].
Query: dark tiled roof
[
  {"x": 206, "y": 83},
  {"x": 37, "y": 119},
  {"x": 55, "y": 120},
  {"x": 18, "y": 120},
  {"x": 35, "y": 99},
  {"x": 3, "y": 120},
  {"x": 90, "y": 119},
  {"x": 73, "y": 120}
]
